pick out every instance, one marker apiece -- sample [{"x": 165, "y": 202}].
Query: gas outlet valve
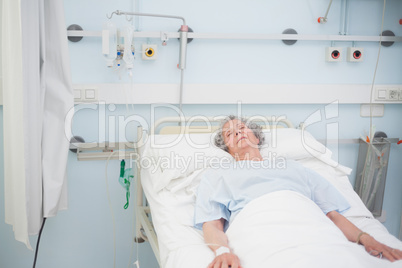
[
  {"x": 333, "y": 54},
  {"x": 355, "y": 54}
]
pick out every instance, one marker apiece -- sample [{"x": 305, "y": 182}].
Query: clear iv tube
[{"x": 128, "y": 54}]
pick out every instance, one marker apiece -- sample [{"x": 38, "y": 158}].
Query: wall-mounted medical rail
[
  {"x": 126, "y": 150},
  {"x": 103, "y": 151},
  {"x": 247, "y": 36}
]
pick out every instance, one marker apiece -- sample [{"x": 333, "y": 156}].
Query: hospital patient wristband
[
  {"x": 359, "y": 236},
  {"x": 221, "y": 250}
]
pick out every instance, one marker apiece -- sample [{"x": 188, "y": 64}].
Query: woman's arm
[
  {"x": 371, "y": 245},
  {"x": 216, "y": 239}
]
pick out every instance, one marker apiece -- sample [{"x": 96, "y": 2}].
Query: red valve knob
[{"x": 322, "y": 20}]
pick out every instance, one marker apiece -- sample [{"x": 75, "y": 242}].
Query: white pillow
[
  {"x": 172, "y": 158},
  {"x": 296, "y": 144},
  {"x": 293, "y": 144}
]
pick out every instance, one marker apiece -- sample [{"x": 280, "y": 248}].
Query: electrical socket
[
  {"x": 87, "y": 93},
  {"x": 355, "y": 54},
  {"x": 149, "y": 52},
  {"x": 393, "y": 94},
  {"x": 333, "y": 54}
]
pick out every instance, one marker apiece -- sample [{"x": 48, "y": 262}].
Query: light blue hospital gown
[{"x": 223, "y": 192}]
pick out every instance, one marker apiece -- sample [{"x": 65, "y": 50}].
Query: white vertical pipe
[
  {"x": 182, "y": 60},
  {"x": 344, "y": 17},
  {"x": 140, "y": 198},
  {"x": 183, "y": 49},
  {"x": 137, "y": 18}
]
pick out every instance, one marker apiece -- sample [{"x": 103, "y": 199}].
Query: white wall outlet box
[
  {"x": 381, "y": 93},
  {"x": 77, "y": 94},
  {"x": 333, "y": 54},
  {"x": 393, "y": 94},
  {"x": 355, "y": 54},
  {"x": 374, "y": 110},
  {"x": 149, "y": 52},
  {"x": 86, "y": 93}
]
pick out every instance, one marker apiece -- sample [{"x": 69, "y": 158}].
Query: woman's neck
[{"x": 253, "y": 155}]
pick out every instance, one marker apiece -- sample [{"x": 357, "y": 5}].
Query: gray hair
[{"x": 257, "y": 130}]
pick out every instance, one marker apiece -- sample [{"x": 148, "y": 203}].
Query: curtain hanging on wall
[{"x": 37, "y": 94}]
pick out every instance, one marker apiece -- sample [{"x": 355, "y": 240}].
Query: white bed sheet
[
  {"x": 172, "y": 208},
  {"x": 285, "y": 229}
]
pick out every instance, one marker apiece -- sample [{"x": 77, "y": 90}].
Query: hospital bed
[{"x": 172, "y": 157}]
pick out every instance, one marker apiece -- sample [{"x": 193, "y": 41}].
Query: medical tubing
[
  {"x": 37, "y": 243},
  {"x": 127, "y": 198},
  {"x": 111, "y": 209},
  {"x": 128, "y": 56},
  {"x": 329, "y": 7},
  {"x": 183, "y": 38},
  {"x": 375, "y": 73},
  {"x": 135, "y": 213},
  {"x": 371, "y": 93},
  {"x": 135, "y": 206}
]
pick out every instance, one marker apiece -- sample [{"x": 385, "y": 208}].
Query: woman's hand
[
  {"x": 218, "y": 242},
  {"x": 372, "y": 246},
  {"x": 375, "y": 248},
  {"x": 225, "y": 261}
]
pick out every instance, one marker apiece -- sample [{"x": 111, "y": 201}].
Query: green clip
[{"x": 126, "y": 176}]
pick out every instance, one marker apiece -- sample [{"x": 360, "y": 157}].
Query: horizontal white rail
[
  {"x": 246, "y": 36},
  {"x": 84, "y": 153},
  {"x": 119, "y": 93}
]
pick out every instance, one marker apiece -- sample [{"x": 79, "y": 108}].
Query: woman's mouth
[{"x": 242, "y": 138}]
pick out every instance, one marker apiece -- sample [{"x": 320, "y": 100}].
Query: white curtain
[{"x": 37, "y": 95}]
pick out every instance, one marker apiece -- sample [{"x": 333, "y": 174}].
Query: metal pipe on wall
[{"x": 344, "y": 17}]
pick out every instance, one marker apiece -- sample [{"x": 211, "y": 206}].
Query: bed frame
[{"x": 179, "y": 125}]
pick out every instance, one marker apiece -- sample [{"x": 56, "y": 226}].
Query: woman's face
[{"x": 238, "y": 137}]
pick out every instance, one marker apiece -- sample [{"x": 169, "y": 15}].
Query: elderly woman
[{"x": 225, "y": 192}]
